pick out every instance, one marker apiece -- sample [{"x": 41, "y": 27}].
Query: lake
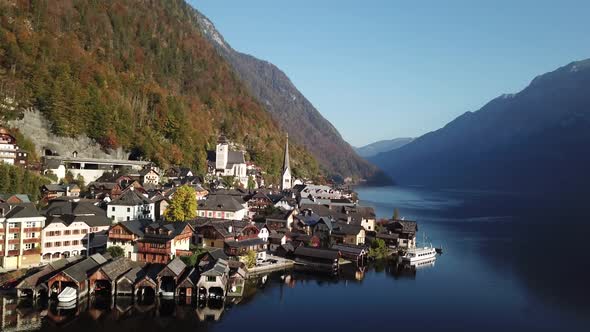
[{"x": 510, "y": 262}]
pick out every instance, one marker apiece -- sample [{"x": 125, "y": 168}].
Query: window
[
  {"x": 48, "y": 245},
  {"x": 128, "y": 209},
  {"x": 76, "y": 231},
  {"x": 66, "y": 243},
  {"x": 128, "y": 218},
  {"x": 84, "y": 231},
  {"x": 67, "y": 232},
  {"x": 218, "y": 214},
  {"x": 14, "y": 235},
  {"x": 57, "y": 244},
  {"x": 30, "y": 224},
  {"x": 211, "y": 279},
  {"x": 113, "y": 209},
  {"x": 29, "y": 246},
  {"x": 12, "y": 247},
  {"x": 12, "y": 225},
  {"x": 209, "y": 214},
  {"x": 75, "y": 242},
  {"x": 31, "y": 235}
]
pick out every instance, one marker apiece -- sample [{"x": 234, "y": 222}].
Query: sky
[{"x": 383, "y": 69}]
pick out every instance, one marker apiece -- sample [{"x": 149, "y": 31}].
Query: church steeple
[{"x": 286, "y": 178}]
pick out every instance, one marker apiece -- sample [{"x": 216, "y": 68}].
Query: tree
[
  {"x": 378, "y": 249},
  {"x": 115, "y": 251},
  {"x": 81, "y": 182},
  {"x": 183, "y": 205},
  {"x": 228, "y": 182},
  {"x": 251, "y": 183},
  {"x": 250, "y": 259}
]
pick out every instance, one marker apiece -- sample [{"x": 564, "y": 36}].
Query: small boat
[
  {"x": 67, "y": 295},
  {"x": 419, "y": 254}
]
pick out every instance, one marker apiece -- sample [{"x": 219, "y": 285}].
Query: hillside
[
  {"x": 536, "y": 139},
  {"x": 133, "y": 74},
  {"x": 373, "y": 149},
  {"x": 295, "y": 114}
]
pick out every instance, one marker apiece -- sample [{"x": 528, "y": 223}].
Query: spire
[{"x": 286, "y": 164}]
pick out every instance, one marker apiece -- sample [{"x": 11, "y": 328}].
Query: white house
[
  {"x": 20, "y": 235},
  {"x": 131, "y": 205},
  {"x": 149, "y": 175},
  {"x": 68, "y": 229}
]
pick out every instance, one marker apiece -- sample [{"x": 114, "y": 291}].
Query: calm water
[{"x": 510, "y": 262}]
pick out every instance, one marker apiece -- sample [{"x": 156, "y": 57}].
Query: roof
[
  {"x": 134, "y": 274},
  {"x": 136, "y": 227},
  {"x": 317, "y": 253},
  {"x": 177, "y": 266},
  {"x": 351, "y": 249},
  {"x": 19, "y": 210},
  {"x": 219, "y": 269},
  {"x": 78, "y": 272},
  {"x": 346, "y": 229},
  {"x": 405, "y": 226},
  {"x": 67, "y": 212},
  {"x": 245, "y": 243},
  {"x": 189, "y": 276},
  {"x": 117, "y": 267},
  {"x": 218, "y": 253},
  {"x": 220, "y": 203},
  {"x": 131, "y": 197},
  {"x": 173, "y": 230}
]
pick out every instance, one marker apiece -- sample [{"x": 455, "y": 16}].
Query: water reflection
[{"x": 29, "y": 315}]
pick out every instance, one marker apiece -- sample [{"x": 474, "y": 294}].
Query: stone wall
[{"x": 35, "y": 127}]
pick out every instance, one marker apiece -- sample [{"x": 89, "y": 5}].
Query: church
[
  {"x": 286, "y": 179},
  {"x": 225, "y": 162}
]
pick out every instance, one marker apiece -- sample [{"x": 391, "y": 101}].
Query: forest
[
  {"x": 133, "y": 74},
  {"x": 17, "y": 180}
]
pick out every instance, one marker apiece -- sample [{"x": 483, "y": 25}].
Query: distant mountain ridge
[
  {"x": 294, "y": 113},
  {"x": 375, "y": 148},
  {"x": 536, "y": 139}
]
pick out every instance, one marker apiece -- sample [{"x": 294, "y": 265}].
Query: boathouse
[
  {"x": 36, "y": 284},
  {"x": 326, "y": 260},
  {"x": 213, "y": 283},
  {"x": 187, "y": 283},
  {"x": 75, "y": 276},
  {"x": 105, "y": 277},
  {"x": 168, "y": 277},
  {"x": 125, "y": 285},
  {"x": 351, "y": 252}
]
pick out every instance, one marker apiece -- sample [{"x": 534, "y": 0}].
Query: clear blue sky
[{"x": 385, "y": 68}]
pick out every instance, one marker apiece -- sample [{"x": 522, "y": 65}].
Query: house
[
  {"x": 109, "y": 185},
  {"x": 168, "y": 278},
  {"x": 213, "y": 282},
  {"x": 163, "y": 241},
  {"x": 259, "y": 202},
  {"x": 222, "y": 207},
  {"x": 125, "y": 234},
  {"x": 131, "y": 205},
  {"x": 161, "y": 204},
  {"x": 281, "y": 220},
  {"x": 210, "y": 257},
  {"x": 149, "y": 175},
  {"x": 225, "y": 162},
  {"x": 347, "y": 234},
  {"x": 9, "y": 150},
  {"x": 406, "y": 231},
  {"x": 14, "y": 199},
  {"x": 325, "y": 260},
  {"x": 105, "y": 277},
  {"x": 75, "y": 276},
  {"x": 214, "y": 233},
  {"x": 20, "y": 235},
  {"x": 176, "y": 172},
  {"x": 52, "y": 191},
  {"x": 276, "y": 240},
  {"x": 70, "y": 228},
  {"x": 89, "y": 168},
  {"x": 242, "y": 247}
]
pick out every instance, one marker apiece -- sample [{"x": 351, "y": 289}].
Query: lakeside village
[{"x": 116, "y": 237}]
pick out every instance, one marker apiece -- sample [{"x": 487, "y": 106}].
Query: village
[{"x": 116, "y": 236}]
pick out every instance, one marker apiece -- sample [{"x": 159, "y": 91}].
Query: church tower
[
  {"x": 286, "y": 182},
  {"x": 222, "y": 152}
]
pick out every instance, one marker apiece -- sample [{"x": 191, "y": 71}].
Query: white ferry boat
[{"x": 419, "y": 254}]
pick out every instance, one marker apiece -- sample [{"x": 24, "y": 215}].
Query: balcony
[
  {"x": 121, "y": 237},
  {"x": 32, "y": 240},
  {"x": 34, "y": 251},
  {"x": 14, "y": 230},
  {"x": 32, "y": 229},
  {"x": 13, "y": 252}
]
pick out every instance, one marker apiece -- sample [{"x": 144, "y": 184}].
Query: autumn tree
[{"x": 183, "y": 205}]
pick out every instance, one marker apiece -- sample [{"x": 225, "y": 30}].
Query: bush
[{"x": 115, "y": 251}]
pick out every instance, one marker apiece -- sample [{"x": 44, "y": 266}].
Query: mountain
[
  {"x": 295, "y": 114},
  {"x": 373, "y": 149},
  {"x": 534, "y": 140},
  {"x": 133, "y": 75}
]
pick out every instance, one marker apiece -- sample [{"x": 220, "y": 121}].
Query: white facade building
[
  {"x": 129, "y": 206},
  {"x": 229, "y": 163},
  {"x": 20, "y": 235}
]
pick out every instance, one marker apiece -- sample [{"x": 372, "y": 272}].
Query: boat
[
  {"x": 67, "y": 295},
  {"x": 419, "y": 254},
  {"x": 439, "y": 250}
]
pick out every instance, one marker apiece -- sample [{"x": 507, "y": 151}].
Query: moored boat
[
  {"x": 419, "y": 254},
  {"x": 67, "y": 295}
]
